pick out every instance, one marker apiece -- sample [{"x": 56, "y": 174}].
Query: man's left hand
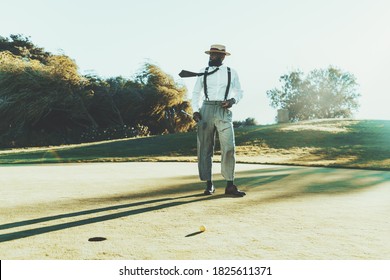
[{"x": 228, "y": 103}]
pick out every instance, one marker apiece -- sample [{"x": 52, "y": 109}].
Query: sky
[{"x": 267, "y": 38}]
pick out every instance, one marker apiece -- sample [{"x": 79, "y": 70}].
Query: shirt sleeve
[
  {"x": 238, "y": 93},
  {"x": 196, "y": 94}
]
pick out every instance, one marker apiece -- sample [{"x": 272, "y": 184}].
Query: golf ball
[{"x": 202, "y": 228}]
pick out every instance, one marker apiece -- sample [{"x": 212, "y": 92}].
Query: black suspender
[
  {"x": 206, "y": 73},
  {"x": 228, "y": 85},
  {"x": 205, "y": 83}
]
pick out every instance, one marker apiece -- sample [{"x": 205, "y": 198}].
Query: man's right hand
[{"x": 196, "y": 116}]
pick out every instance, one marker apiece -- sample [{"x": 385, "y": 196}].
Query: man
[{"x": 219, "y": 88}]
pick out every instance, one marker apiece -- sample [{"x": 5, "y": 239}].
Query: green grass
[{"x": 337, "y": 143}]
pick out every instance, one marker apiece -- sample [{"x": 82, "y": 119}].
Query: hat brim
[{"x": 215, "y": 51}]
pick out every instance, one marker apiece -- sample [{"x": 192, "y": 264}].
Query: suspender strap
[
  {"x": 228, "y": 84},
  {"x": 206, "y": 73},
  {"x": 205, "y": 83}
]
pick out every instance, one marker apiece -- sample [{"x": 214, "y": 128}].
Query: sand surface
[{"x": 153, "y": 211}]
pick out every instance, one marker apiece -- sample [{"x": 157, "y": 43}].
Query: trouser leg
[
  {"x": 226, "y": 137},
  {"x": 205, "y": 141},
  {"x": 228, "y": 157}
]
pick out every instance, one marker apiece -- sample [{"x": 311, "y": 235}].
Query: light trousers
[{"x": 215, "y": 119}]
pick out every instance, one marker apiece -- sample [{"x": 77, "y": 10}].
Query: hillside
[{"x": 337, "y": 143}]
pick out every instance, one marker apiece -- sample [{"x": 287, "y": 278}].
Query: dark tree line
[{"x": 45, "y": 101}]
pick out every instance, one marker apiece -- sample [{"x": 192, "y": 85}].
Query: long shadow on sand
[
  {"x": 170, "y": 202},
  {"x": 272, "y": 183}
]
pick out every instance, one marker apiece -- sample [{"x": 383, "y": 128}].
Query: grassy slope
[{"x": 346, "y": 143}]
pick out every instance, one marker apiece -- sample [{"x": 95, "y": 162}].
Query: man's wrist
[{"x": 196, "y": 116}]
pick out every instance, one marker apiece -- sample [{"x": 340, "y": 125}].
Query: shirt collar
[{"x": 214, "y": 67}]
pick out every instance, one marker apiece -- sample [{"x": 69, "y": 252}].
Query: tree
[
  {"x": 323, "y": 93},
  {"x": 127, "y": 97},
  {"x": 40, "y": 98},
  {"x": 45, "y": 101},
  {"x": 20, "y": 45},
  {"x": 162, "y": 102},
  {"x": 101, "y": 105}
]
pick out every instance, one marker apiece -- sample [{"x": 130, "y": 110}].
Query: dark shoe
[
  {"x": 234, "y": 191},
  {"x": 209, "y": 190}
]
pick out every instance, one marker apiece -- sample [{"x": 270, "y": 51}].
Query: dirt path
[{"x": 154, "y": 211}]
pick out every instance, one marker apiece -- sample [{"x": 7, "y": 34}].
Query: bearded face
[{"x": 216, "y": 59}]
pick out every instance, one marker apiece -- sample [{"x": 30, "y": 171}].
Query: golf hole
[{"x": 97, "y": 239}]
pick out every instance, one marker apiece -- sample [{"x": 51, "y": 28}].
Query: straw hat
[{"x": 217, "y": 49}]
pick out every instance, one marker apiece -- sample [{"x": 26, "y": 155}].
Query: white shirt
[{"x": 216, "y": 87}]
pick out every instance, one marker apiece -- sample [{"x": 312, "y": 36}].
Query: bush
[
  {"x": 116, "y": 132},
  {"x": 246, "y": 122}
]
